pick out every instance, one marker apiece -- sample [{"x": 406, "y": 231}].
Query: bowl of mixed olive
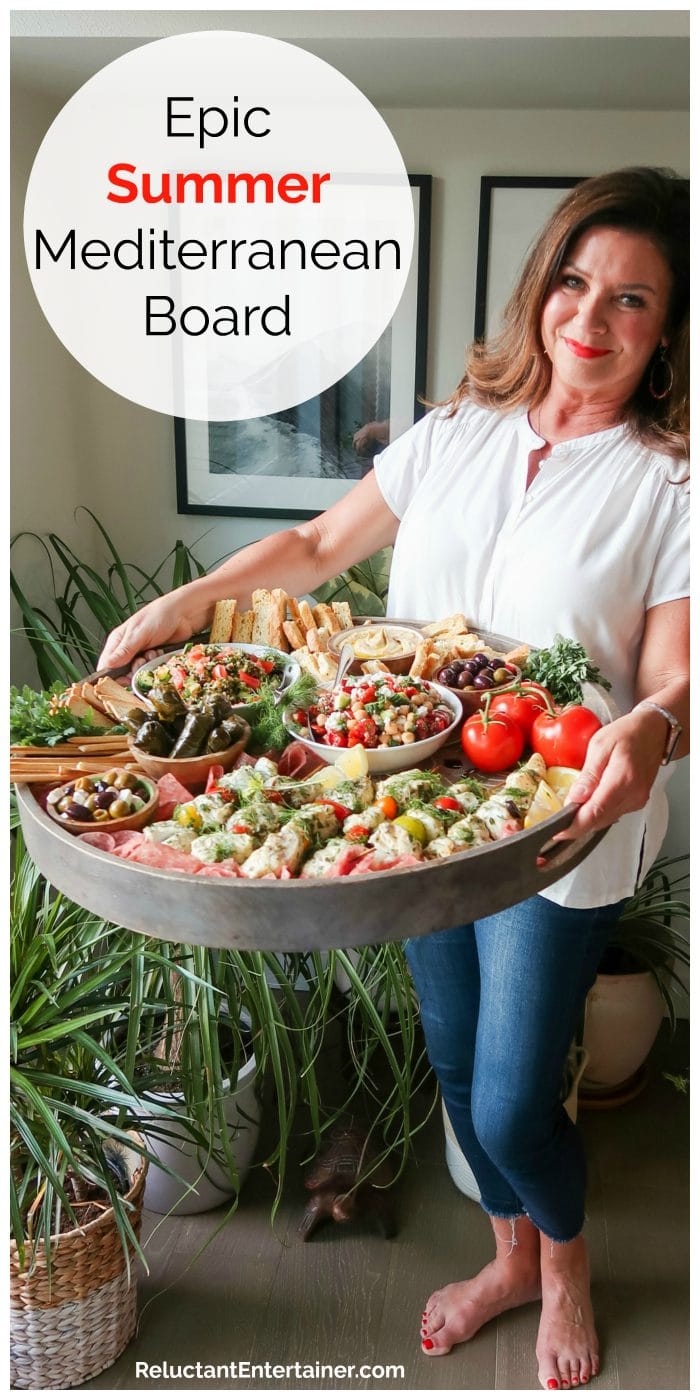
[
  {"x": 471, "y": 681},
  {"x": 115, "y": 800}
]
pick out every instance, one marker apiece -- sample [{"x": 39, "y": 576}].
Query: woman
[{"x": 548, "y": 496}]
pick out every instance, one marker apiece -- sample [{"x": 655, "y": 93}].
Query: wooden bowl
[
  {"x": 133, "y": 822},
  {"x": 191, "y": 771},
  {"x": 400, "y": 665},
  {"x": 473, "y": 700}
]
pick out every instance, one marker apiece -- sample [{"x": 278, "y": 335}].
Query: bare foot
[
  {"x": 567, "y": 1344},
  {"x": 453, "y": 1314}
]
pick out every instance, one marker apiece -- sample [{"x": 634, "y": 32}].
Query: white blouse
[{"x": 600, "y": 535}]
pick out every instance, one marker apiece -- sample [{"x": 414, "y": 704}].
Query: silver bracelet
[{"x": 675, "y": 729}]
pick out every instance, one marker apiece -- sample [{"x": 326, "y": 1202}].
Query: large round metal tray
[{"x": 297, "y": 915}]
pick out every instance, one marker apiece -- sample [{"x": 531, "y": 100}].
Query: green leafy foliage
[
  {"x": 653, "y": 931},
  {"x": 563, "y": 668},
  {"x": 33, "y": 720},
  {"x": 89, "y": 603},
  {"x": 364, "y": 586},
  {"x": 268, "y": 729}
]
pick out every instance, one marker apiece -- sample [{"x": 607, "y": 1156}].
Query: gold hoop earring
[{"x": 660, "y": 362}]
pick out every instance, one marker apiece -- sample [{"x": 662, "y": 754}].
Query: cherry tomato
[
  {"x": 439, "y": 721},
  {"x": 358, "y": 833},
  {"x": 215, "y": 772},
  {"x": 521, "y": 705},
  {"x": 336, "y": 738},
  {"x": 340, "y": 811},
  {"x": 241, "y": 829},
  {"x": 244, "y": 676},
  {"x": 562, "y": 739},
  {"x": 492, "y": 743},
  {"x": 388, "y": 806},
  {"x": 447, "y": 804},
  {"x": 266, "y": 665},
  {"x": 364, "y": 731},
  {"x": 364, "y": 693}
]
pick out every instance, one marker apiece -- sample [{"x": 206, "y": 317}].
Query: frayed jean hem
[{"x": 554, "y": 1239}]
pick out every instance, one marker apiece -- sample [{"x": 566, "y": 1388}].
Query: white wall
[{"x": 75, "y": 442}]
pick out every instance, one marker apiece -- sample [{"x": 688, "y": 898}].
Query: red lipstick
[{"x": 584, "y": 352}]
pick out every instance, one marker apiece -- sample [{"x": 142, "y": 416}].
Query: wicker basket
[{"x": 64, "y": 1334}]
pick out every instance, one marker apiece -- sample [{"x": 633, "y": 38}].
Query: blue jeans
[{"x": 500, "y": 1000}]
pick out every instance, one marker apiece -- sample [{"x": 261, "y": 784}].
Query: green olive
[
  {"x": 110, "y": 778},
  {"x": 90, "y": 802},
  {"x": 501, "y": 676},
  {"x": 99, "y": 815},
  {"x": 84, "y": 784},
  {"x": 64, "y": 803},
  {"x": 119, "y": 809}
]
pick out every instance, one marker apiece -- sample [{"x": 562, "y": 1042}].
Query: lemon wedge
[
  {"x": 544, "y": 804},
  {"x": 348, "y": 764},
  {"x": 561, "y": 780}
]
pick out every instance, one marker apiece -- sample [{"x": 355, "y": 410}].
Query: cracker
[
  {"x": 222, "y": 621},
  {"x": 424, "y": 660}
]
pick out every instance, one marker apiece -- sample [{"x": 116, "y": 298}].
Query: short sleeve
[
  {"x": 400, "y": 468},
  {"x": 670, "y": 576}
]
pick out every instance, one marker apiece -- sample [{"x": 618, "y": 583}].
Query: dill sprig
[{"x": 268, "y": 730}]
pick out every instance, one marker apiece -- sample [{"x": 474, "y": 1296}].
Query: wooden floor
[{"x": 259, "y": 1294}]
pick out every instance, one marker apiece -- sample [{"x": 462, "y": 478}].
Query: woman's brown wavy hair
[{"x": 512, "y": 370}]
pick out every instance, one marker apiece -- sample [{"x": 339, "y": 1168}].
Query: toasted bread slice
[
  {"x": 113, "y": 698},
  {"x": 425, "y": 661},
  {"x": 80, "y": 705},
  {"x": 222, "y": 621},
  {"x": 294, "y": 634},
  {"x": 294, "y": 609},
  {"x": 317, "y": 638},
  {"x": 306, "y": 618},
  {"x": 278, "y": 613},
  {"x": 343, "y": 615},
  {"x": 325, "y": 617},
  {"x": 243, "y": 626},
  {"x": 447, "y": 626},
  {"x": 518, "y": 656},
  {"x": 370, "y": 667}
]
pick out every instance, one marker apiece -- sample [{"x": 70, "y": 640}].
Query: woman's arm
[
  {"x": 297, "y": 560},
  {"x": 623, "y": 757}
]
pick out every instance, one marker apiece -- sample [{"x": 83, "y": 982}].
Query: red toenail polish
[
  {"x": 427, "y": 1343},
  {"x": 552, "y": 1385}
]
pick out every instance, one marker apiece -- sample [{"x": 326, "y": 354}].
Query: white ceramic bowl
[
  {"x": 394, "y": 759},
  {"x": 246, "y": 709}
]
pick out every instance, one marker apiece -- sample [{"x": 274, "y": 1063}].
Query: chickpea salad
[{"x": 377, "y": 712}]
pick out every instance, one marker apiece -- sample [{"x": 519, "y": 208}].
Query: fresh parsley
[
  {"x": 35, "y": 718},
  {"x": 563, "y": 668}
]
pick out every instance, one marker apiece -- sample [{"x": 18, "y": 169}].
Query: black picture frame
[
  {"x": 522, "y": 216},
  {"x": 202, "y": 449}
]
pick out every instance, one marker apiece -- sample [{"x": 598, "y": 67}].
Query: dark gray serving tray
[{"x": 297, "y": 915}]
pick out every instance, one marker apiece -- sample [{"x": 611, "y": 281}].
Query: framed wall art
[
  {"x": 298, "y": 462},
  {"x": 512, "y": 210}
]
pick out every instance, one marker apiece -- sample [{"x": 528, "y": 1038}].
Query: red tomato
[
  {"x": 492, "y": 743},
  {"x": 178, "y": 677},
  {"x": 337, "y": 739},
  {"x": 219, "y": 672},
  {"x": 364, "y": 731},
  {"x": 266, "y": 665},
  {"x": 341, "y": 812},
  {"x": 521, "y": 705},
  {"x": 244, "y": 676},
  {"x": 364, "y": 693},
  {"x": 215, "y": 772},
  {"x": 357, "y": 833},
  {"x": 563, "y": 739},
  {"x": 447, "y": 804}
]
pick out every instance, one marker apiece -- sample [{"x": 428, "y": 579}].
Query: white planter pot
[
  {"x": 210, "y": 1185},
  {"x": 623, "y": 1016},
  {"x": 457, "y": 1164}
]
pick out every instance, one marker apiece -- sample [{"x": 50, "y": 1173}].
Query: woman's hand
[
  {"x": 622, "y": 761},
  {"x": 175, "y": 617}
]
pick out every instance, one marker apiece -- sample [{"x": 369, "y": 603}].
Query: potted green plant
[
  {"x": 636, "y": 981},
  {"x": 77, "y": 1169}
]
